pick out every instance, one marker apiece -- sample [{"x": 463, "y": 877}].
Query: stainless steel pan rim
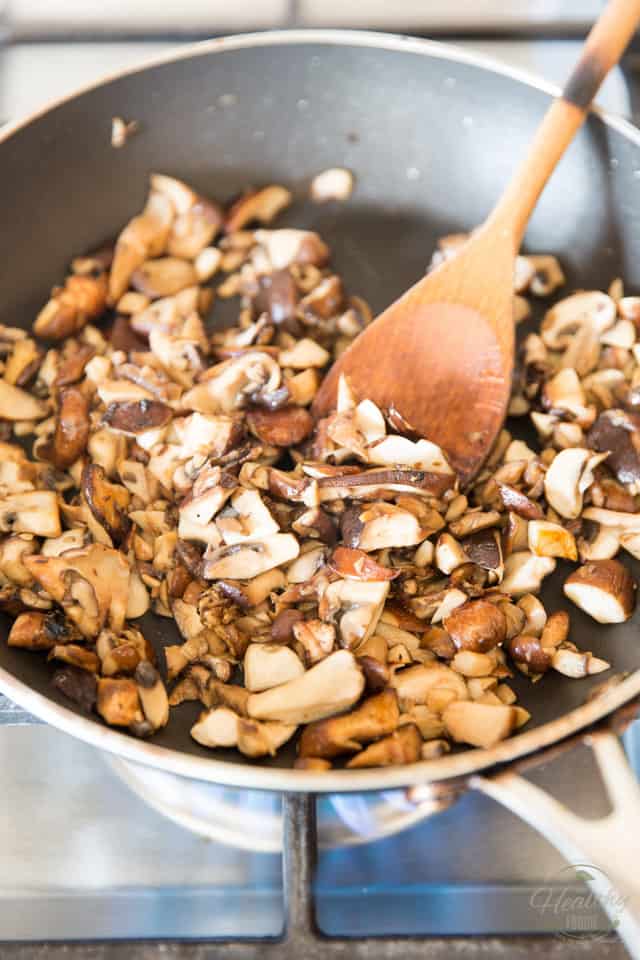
[{"x": 265, "y": 778}]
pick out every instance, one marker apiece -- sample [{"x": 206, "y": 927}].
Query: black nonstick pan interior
[{"x": 431, "y": 137}]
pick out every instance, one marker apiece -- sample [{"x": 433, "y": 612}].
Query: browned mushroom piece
[
  {"x": 77, "y": 685},
  {"x": 134, "y": 417},
  {"x": 277, "y": 296},
  {"x": 529, "y": 652},
  {"x": 282, "y": 626},
  {"x": 23, "y": 362},
  {"x": 90, "y": 584},
  {"x": 260, "y": 206},
  {"x": 118, "y": 702},
  {"x": 144, "y": 236},
  {"x": 82, "y": 299},
  {"x": 374, "y": 718},
  {"x": 285, "y": 427},
  {"x": 604, "y": 589},
  {"x": 400, "y": 747},
  {"x": 163, "y": 277},
  {"x": 478, "y": 625},
  {"x": 107, "y": 501},
  {"x": 38, "y": 631},
  {"x": 519, "y": 503},
  {"x": 317, "y": 524},
  {"x": 287, "y": 247},
  {"x": 616, "y": 432},
  {"x": 75, "y": 656},
  {"x": 377, "y": 675},
  {"x": 194, "y": 229},
  {"x": 72, "y": 429},
  {"x": 314, "y": 764},
  {"x": 152, "y": 694},
  {"x": 355, "y": 564}
]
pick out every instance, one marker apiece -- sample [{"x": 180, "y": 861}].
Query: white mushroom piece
[
  {"x": 268, "y": 665},
  {"x": 333, "y": 184},
  {"x": 604, "y": 589},
  {"x": 242, "y": 561},
  {"x": 357, "y": 606},
  {"x": 221, "y": 727},
  {"x": 18, "y": 404},
  {"x": 567, "y": 479},
  {"x": 31, "y": 512},
  {"x": 479, "y": 724},
  {"x": 333, "y": 685},
  {"x": 228, "y": 385}
]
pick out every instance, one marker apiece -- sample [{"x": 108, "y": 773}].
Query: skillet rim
[{"x": 254, "y": 776}]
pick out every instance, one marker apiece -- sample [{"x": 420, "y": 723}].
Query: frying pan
[{"x": 432, "y": 135}]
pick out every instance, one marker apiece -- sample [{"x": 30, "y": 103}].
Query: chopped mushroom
[
  {"x": 479, "y": 724},
  {"x": 329, "y": 687},
  {"x": 267, "y": 665},
  {"x": 374, "y": 718},
  {"x": 604, "y": 589},
  {"x": 176, "y": 470},
  {"x": 401, "y": 747}
]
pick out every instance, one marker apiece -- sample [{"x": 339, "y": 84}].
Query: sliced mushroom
[
  {"x": 573, "y": 663},
  {"x": 401, "y": 747},
  {"x": 262, "y": 206},
  {"x": 243, "y": 561},
  {"x": 332, "y": 686},
  {"x": 31, "y": 512},
  {"x": 355, "y": 564},
  {"x": 246, "y": 519},
  {"x": 562, "y": 320},
  {"x": 285, "y": 247},
  {"x": 262, "y": 739},
  {"x": 107, "y": 501},
  {"x": 524, "y": 573},
  {"x": 144, "y": 236},
  {"x": 568, "y": 477},
  {"x": 216, "y": 728},
  {"x": 479, "y": 724},
  {"x": 416, "y": 684},
  {"x": 616, "y": 432},
  {"x": 133, "y": 418},
  {"x": 358, "y": 604},
  {"x": 604, "y": 589},
  {"x": 17, "y": 404},
  {"x": 38, "y": 631},
  {"x": 90, "y": 584},
  {"x": 267, "y": 665},
  {"x": 82, "y": 299},
  {"x": 194, "y": 228},
  {"x": 315, "y": 639},
  {"x": 152, "y": 694},
  {"x": 548, "y": 539},
  {"x": 383, "y": 525},
  {"x": 75, "y": 656}
]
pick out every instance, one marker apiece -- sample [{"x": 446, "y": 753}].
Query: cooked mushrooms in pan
[{"x": 328, "y": 579}]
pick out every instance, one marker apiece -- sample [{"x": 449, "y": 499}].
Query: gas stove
[{"x": 92, "y": 849}]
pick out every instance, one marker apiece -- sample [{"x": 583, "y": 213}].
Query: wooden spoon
[{"x": 439, "y": 360}]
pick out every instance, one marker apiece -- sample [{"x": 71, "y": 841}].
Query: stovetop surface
[{"x": 81, "y": 856}]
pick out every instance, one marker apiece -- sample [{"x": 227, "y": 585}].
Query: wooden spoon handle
[{"x": 603, "y": 48}]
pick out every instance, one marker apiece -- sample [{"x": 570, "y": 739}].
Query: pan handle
[{"x": 611, "y": 844}]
